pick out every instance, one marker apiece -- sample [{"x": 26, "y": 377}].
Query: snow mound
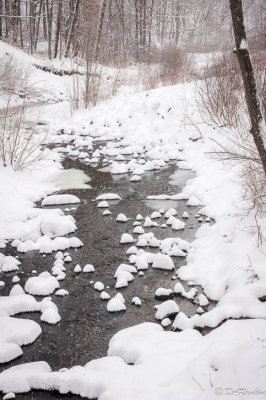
[
  {"x": 42, "y": 285},
  {"x": 57, "y": 199},
  {"x": 162, "y": 261},
  {"x": 108, "y": 196}
]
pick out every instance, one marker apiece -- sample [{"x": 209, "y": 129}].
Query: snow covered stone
[
  {"x": 68, "y": 259},
  {"x": 170, "y": 212},
  {"x": 203, "y": 301},
  {"x": 16, "y": 290},
  {"x": 138, "y": 230},
  {"x": 59, "y": 255},
  {"x": 163, "y": 294},
  {"x": 54, "y": 225},
  {"x": 103, "y": 204},
  {"x": 77, "y": 269},
  {"x": 106, "y": 212},
  {"x": 185, "y": 215},
  {"x": 132, "y": 250},
  {"x": 104, "y": 295},
  {"x": 193, "y": 202},
  {"x": 61, "y": 292},
  {"x": 126, "y": 238},
  {"x": 41, "y": 285},
  {"x": 136, "y": 300},
  {"x": 15, "y": 279},
  {"x": 142, "y": 242},
  {"x": 116, "y": 304},
  {"x": 57, "y": 199},
  {"x": 155, "y": 214},
  {"x": 8, "y": 263},
  {"x": 108, "y": 196},
  {"x": 148, "y": 222},
  {"x": 9, "y": 396},
  {"x": 122, "y": 218},
  {"x": 163, "y": 261},
  {"x": 88, "y": 268},
  {"x": 50, "y": 313},
  {"x": 167, "y": 309},
  {"x": 177, "y": 225},
  {"x": 166, "y": 322},
  {"x": 135, "y": 178},
  {"x": 98, "y": 286},
  {"x": 139, "y": 217},
  {"x": 179, "y": 289}
]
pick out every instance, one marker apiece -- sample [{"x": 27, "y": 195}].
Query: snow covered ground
[{"x": 144, "y": 132}]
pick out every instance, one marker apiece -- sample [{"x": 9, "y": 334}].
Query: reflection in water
[
  {"x": 181, "y": 176},
  {"x": 164, "y": 204},
  {"x": 71, "y": 179}
]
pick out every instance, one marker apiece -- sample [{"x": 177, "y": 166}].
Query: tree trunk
[
  {"x": 247, "y": 72},
  {"x": 71, "y": 29},
  {"x": 58, "y": 28},
  {"x": 100, "y": 28}
]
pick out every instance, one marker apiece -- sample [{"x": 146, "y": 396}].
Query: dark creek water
[{"x": 86, "y": 327}]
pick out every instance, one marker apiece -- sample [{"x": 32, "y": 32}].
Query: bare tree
[{"x": 247, "y": 72}]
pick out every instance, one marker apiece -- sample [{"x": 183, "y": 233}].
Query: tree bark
[
  {"x": 72, "y": 28},
  {"x": 100, "y": 28},
  {"x": 247, "y": 72}
]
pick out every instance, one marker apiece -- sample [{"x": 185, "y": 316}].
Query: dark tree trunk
[
  {"x": 247, "y": 72},
  {"x": 100, "y": 28},
  {"x": 58, "y": 28},
  {"x": 72, "y": 28}
]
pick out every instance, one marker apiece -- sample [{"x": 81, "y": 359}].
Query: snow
[
  {"x": 165, "y": 322},
  {"x": 9, "y": 396},
  {"x": 126, "y": 238},
  {"x": 166, "y": 309},
  {"x": 136, "y": 300},
  {"x": 163, "y": 293},
  {"x": 57, "y": 199},
  {"x": 155, "y": 214},
  {"x": 177, "y": 224},
  {"x": 162, "y": 261},
  {"x": 77, "y": 269},
  {"x": 116, "y": 304},
  {"x": 108, "y": 196},
  {"x": 98, "y": 286},
  {"x": 135, "y": 178},
  {"x": 203, "y": 301},
  {"x": 104, "y": 295},
  {"x": 107, "y": 212},
  {"x": 225, "y": 258},
  {"x": 103, "y": 204},
  {"x": 61, "y": 292},
  {"x": 138, "y": 230},
  {"x": 41, "y": 285},
  {"x": 88, "y": 268},
  {"x": 139, "y": 217},
  {"x": 122, "y": 218},
  {"x": 193, "y": 202},
  {"x": 15, "y": 333}
]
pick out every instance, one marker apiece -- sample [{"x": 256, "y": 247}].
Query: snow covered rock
[
  {"x": 122, "y": 218},
  {"x": 98, "y": 286},
  {"x": 167, "y": 309},
  {"x": 108, "y": 196},
  {"x": 162, "y": 261},
  {"x": 103, "y": 204},
  {"x": 57, "y": 199},
  {"x": 116, "y": 304},
  {"x": 88, "y": 268},
  {"x": 136, "y": 300},
  {"x": 126, "y": 238},
  {"x": 163, "y": 294},
  {"x": 104, "y": 295},
  {"x": 41, "y": 285}
]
